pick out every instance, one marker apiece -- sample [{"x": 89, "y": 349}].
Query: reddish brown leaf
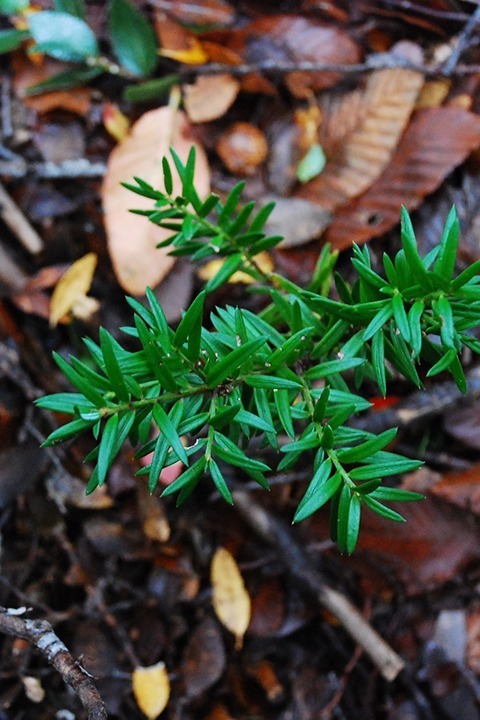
[
  {"x": 27, "y": 74},
  {"x": 204, "y": 659},
  {"x": 435, "y": 543},
  {"x": 461, "y": 488},
  {"x": 463, "y": 424},
  {"x": 268, "y": 609},
  {"x": 299, "y": 39},
  {"x": 436, "y": 141},
  {"x": 242, "y": 148}
]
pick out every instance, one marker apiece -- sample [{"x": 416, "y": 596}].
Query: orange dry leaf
[
  {"x": 231, "y": 601},
  {"x": 210, "y": 96},
  {"x": 72, "y": 288},
  {"x": 151, "y": 688},
  {"x": 192, "y": 55},
  {"x": 132, "y": 239},
  {"x": 208, "y": 271},
  {"x": 365, "y": 152},
  {"x": 27, "y": 74},
  {"x": 115, "y": 122},
  {"x": 436, "y": 141}
]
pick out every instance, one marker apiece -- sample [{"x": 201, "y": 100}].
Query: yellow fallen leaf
[
  {"x": 193, "y": 55},
  {"x": 231, "y": 601},
  {"x": 207, "y": 272},
  {"x": 115, "y": 122},
  {"x": 72, "y": 287},
  {"x": 132, "y": 239},
  {"x": 151, "y": 688}
]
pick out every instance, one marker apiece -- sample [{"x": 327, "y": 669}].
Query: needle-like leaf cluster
[{"x": 230, "y": 392}]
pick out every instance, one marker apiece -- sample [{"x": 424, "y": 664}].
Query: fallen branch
[
  {"x": 41, "y": 634},
  {"x": 307, "y": 577}
]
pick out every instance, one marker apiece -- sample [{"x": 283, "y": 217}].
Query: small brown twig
[
  {"x": 463, "y": 42},
  {"x": 41, "y": 634},
  {"x": 14, "y": 218},
  {"x": 307, "y": 577}
]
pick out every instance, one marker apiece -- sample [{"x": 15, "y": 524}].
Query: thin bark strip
[
  {"x": 41, "y": 634},
  {"x": 298, "y": 565}
]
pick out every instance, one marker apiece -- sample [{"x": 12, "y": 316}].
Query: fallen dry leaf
[
  {"x": 72, "y": 287},
  {"x": 151, "y": 688},
  {"x": 435, "y": 142},
  {"x": 210, "y": 96},
  {"x": 27, "y": 74},
  {"x": 132, "y": 239},
  {"x": 242, "y": 148},
  {"x": 460, "y": 488},
  {"x": 410, "y": 550},
  {"x": 365, "y": 152},
  {"x": 206, "y": 12},
  {"x": 231, "y": 601},
  {"x": 116, "y": 123},
  {"x": 300, "y": 39},
  {"x": 204, "y": 659}
]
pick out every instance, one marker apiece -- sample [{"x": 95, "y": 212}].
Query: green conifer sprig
[{"x": 283, "y": 377}]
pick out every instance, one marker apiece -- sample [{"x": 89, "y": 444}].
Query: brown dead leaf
[
  {"x": 151, "y": 688},
  {"x": 72, "y": 287},
  {"x": 177, "y": 42},
  {"x": 473, "y": 641},
  {"x": 460, "y": 488},
  {"x": 242, "y": 148},
  {"x": 300, "y": 39},
  {"x": 132, "y": 239},
  {"x": 210, "y": 96},
  {"x": 231, "y": 601},
  {"x": 204, "y": 659},
  {"x": 27, "y": 74},
  {"x": 434, "y": 544},
  {"x": 435, "y": 142},
  {"x": 365, "y": 152}
]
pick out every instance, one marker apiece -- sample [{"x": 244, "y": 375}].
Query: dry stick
[
  {"x": 298, "y": 565},
  {"x": 463, "y": 42},
  {"x": 41, "y": 634},
  {"x": 18, "y": 223},
  {"x": 377, "y": 61}
]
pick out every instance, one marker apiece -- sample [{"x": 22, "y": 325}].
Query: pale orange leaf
[
  {"x": 231, "y": 601},
  {"x": 364, "y": 154},
  {"x": 132, "y": 239},
  {"x": 151, "y": 688},
  {"x": 72, "y": 287},
  {"x": 210, "y": 96}
]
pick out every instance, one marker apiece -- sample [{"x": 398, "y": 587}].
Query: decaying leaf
[
  {"x": 204, "y": 658},
  {"x": 242, "y": 148},
  {"x": 151, "y": 688},
  {"x": 208, "y": 271},
  {"x": 231, "y": 601},
  {"x": 210, "y": 96},
  {"x": 131, "y": 240},
  {"x": 365, "y": 152},
  {"x": 115, "y": 122},
  {"x": 72, "y": 288},
  {"x": 300, "y": 39},
  {"x": 460, "y": 488},
  {"x": 435, "y": 142}
]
